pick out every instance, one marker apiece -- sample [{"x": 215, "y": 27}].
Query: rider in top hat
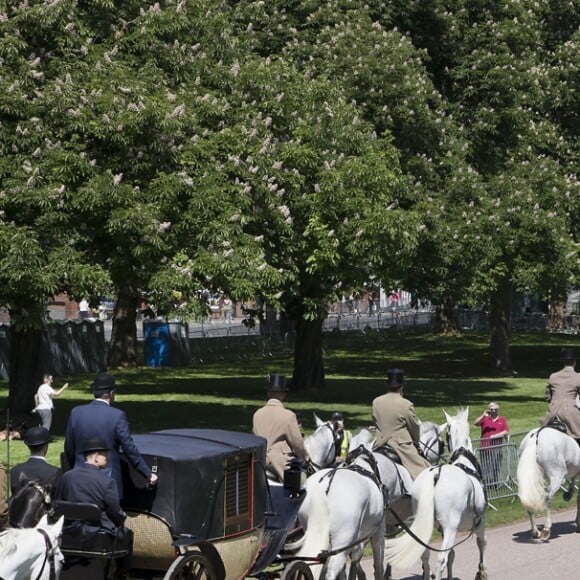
[
  {"x": 279, "y": 426},
  {"x": 36, "y": 468},
  {"x": 100, "y": 419},
  {"x": 397, "y": 424},
  {"x": 563, "y": 386}
]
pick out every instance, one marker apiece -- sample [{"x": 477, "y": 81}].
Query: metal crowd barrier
[{"x": 499, "y": 464}]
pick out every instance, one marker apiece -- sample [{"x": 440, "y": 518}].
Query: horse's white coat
[
  {"x": 341, "y": 509},
  {"x": 23, "y": 551},
  {"x": 320, "y": 444},
  {"x": 456, "y": 501},
  {"x": 551, "y": 453}
]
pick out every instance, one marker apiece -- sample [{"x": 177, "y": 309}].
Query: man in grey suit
[
  {"x": 563, "y": 387},
  {"x": 279, "y": 426},
  {"x": 36, "y": 468},
  {"x": 398, "y": 425}
]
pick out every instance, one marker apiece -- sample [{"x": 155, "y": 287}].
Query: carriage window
[{"x": 238, "y": 494}]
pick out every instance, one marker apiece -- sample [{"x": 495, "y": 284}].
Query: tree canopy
[{"x": 291, "y": 150}]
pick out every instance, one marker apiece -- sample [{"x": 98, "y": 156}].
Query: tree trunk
[
  {"x": 123, "y": 346},
  {"x": 25, "y": 374},
  {"x": 308, "y": 361},
  {"x": 556, "y": 313},
  {"x": 445, "y": 319},
  {"x": 499, "y": 324}
]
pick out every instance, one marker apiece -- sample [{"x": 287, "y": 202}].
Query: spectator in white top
[
  {"x": 43, "y": 401},
  {"x": 84, "y": 309}
]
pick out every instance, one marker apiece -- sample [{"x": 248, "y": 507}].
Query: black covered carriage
[{"x": 212, "y": 507}]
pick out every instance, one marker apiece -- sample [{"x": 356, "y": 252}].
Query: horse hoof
[
  {"x": 545, "y": 534},
  {"x": 536, "y": 534},
  {"x": 568, "y": 494}
]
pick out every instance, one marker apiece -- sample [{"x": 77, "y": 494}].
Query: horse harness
[
  {"x": 372, "y": 475},
  {"x": 474, "y": 471},
  {"x": 46, "y": 502},
  {"x": 49, "y": 556},
  {"x": 391, "y": 454},
  {"x": 336, "y": 447}
]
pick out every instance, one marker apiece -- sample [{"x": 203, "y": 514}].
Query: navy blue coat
[
  {"x": 35, "y": 469},
  {"x": 86, "y": 483},
  {"x": 99, "y": 419}
]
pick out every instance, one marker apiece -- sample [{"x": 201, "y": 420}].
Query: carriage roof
[{"x": 211, "y": 482}]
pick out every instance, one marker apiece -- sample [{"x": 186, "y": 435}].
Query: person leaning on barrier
[
  {"x": 280, "y": 427},
  {"x": 36, "y": 468},
  {"x": 561, "y": 393},
  {"x": 397, "y": 424},
  {"x": 494, "y": 428}
]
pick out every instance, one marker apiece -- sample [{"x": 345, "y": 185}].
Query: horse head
[
  {"x": 458, "y": 430},
  {"x": 321, "y": 444},
  {"x": 29, "y": 505}
]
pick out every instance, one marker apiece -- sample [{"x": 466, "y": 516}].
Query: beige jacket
[
  {"x": 561, "y": 394},
  {"x": 280, "y": 428},
  {"x": 399, "y": 427}
]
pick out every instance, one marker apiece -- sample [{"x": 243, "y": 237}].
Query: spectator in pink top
[{"x": 494, "y": 428}]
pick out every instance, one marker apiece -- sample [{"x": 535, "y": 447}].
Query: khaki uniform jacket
[
  {"x": 3, "y": 497},
  {"x": 280, "y": 428},
  {"x": 399, "y": 427},
  {"x": 561, "y": 394}
]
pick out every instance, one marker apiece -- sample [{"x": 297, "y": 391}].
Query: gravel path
[{"x": 512, "y": 554}]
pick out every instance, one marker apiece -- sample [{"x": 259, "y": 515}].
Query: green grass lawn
[{"x": 441, "y": 373}]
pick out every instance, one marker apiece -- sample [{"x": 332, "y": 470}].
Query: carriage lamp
[{"x": 295, "y": 477}]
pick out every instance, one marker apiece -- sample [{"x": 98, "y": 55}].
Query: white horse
[
  {"x": 320, "y": 445},
  {"x": 29, "y": 553},
  {"x": 454, "y": 497},
  {"x": 551, "y": 453},
  {"x": 343, "y": 510}
]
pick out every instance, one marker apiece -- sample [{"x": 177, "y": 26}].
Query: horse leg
[
  {"x": 388, "y": 572},
  {"x": 570, "y": 493},
  {"x": 553, "y": 487},
  {"x": 336, "y": 567},
  {"x": 481, "y": 543},
  {"x": 578, "y": 513},
  {"x": 535, "y": 531},
  {"x": 450, "y": 560},
  {"x": 425, "y": 565},
  {"x": 449, "y": 536}
]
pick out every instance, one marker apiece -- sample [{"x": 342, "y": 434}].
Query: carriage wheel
[
  {"x": 193, "y": 565},
  {"x": 297, "y": 571}
]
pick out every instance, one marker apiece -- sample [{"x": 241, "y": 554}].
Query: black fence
[{"x": 67, "y": 348}]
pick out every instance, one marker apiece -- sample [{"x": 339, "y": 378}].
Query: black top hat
[
  {"x": 276, "y": 382},
  {"x": 94, "y": 444},
  {"x": 395, "y": 378},
  {"x": 36, "y": 436},
  {"x": 103, "y": 383},
  {"x": 569, "y": 354}
]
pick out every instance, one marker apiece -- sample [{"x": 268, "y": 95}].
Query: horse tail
[
  {"x": 405, "y": 550},
  {"x": 315, "y": 518},
  {"x": 530, "y": 477}
]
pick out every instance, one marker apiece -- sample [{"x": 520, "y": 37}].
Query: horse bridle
[
  {"x": 333, "y": 448},
  {"x": 48, "y": 553},
  {"x": 46, "y": 501}
]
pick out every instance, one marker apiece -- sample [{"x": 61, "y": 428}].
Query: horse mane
[{"x": 28, "y": 505}]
